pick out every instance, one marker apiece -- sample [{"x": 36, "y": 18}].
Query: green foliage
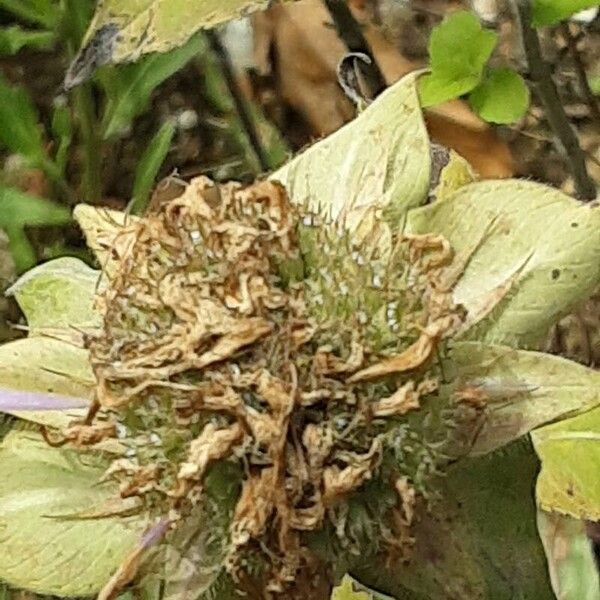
[
  {"x": 502, "y": 97},
  {"x": 129, "y": 88},
  {"x": 459, "y": 50},
  {"x": 550, "y": 12},
  {"x": 19, "y": 210},
  {"x": 149, "y": 166},
  {"x": 13, "y": 38},
  {"x": 37, "y": 12}
]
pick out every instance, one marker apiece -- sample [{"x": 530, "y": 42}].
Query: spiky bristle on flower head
[{"x": 239, "y": 329}]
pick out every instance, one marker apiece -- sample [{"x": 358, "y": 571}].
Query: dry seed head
[{"x": 238, "y": 330}]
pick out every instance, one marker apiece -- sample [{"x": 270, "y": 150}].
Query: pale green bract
[
  {"x": 57, "y": 298},
  {"x": 570, "y": 453},
  {"x": 571, "y": 561},
  {"x": 525, "y": 389},
  {"x": 529, "y": 254},
  {"x": 379, "y": 159},
  {"x": 44, "y": 547}
]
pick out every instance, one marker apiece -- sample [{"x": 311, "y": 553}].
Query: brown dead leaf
[{"x": 307, "y": 51}]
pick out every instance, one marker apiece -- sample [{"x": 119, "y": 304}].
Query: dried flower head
[{"x": 240, "y": 330}]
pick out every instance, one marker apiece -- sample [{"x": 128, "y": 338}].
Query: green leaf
[
  {"x": 571, "y": 561},
  {"x": 570, "y": 455},
  {"x": 62, "y": 129},
  {"x": 550, "y": 12},
  {"x": 19, "y": 210},
  {"x": 41, "y": 12},
  {"x": 123, "y": 30},
  {"x": 19, "y": 123},
  {"x": 129, "y": 88},
  {"x": 502, "y": 97},
  {"x": 39, "y": 550},
  {"x": 57, "y": 298},
  {"x": 13, "y": 38},
  {"x": 379, "y": 159},
  {"x": 347, "y": 591},
  {"x": 525, "y": 254},
  {"x": 52, "y": 366},
  {"x": 478, "y": 540},
  {"x": 149, "y": 166},
  {"x": 459, "y": 49},
  {"x": 525, "y": 389}
]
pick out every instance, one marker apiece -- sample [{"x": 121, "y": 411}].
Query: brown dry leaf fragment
[
  {"x": 403, "y": 400},
  {"x": 339, "y": 482},
  {"x": 414, "y": 356},
  {"x": 212, "y": 444},
  {"x": 255, "y": 506},
  {"x": 326, "y": 363}
]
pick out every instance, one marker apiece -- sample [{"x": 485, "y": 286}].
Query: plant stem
[
  {"x": 351, "y": 34},
  {"x": 541, "y": 77},
  {"x": 582, "y": 78},
  {"x": 239, "y": 101}
]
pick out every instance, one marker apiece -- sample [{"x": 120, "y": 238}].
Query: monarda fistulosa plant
[{"x": 266, "y": 387}]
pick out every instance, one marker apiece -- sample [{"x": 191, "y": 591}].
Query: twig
[
  {"x": 351, "y": 34},
  {"x": 582, "y": 78},
  {"x": 541, "y": 76},
  {"x": 240, "y": 102}
]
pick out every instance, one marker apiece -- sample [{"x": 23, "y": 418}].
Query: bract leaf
[
  {"x": 460, "y": 551},
  {"x": 39, "y": 550},
  {"x": 524, "y": 255},
  {"x": 380, "y": 159},
  {"x": 522, "y": 390},
  {"x": 571, "y": 562},
  {"x": 550, "y": 12},
  {"x": 106, "y": 232},
  {"x": 57, "y": 297},
  {"x": 570, "y": 453},
  {"x": 51, "y": 366}
]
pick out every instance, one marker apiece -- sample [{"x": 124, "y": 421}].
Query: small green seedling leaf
[
  {"x": 459, "y": 49},
  {"x": 149, "y": 166},
  {"x": 129, "y": 89},
  {"x": 570, "y": 555},
  {"x": 550, "y": 12},
  {"x": 13, "y": 38},
  {"x": 123, "y": 30},
  {"x": 525, "y": 254},
  {"x": 380, "y": 159},
  {"x": 570, "y": 453},
  {"x": 41, "y": 548},
  {"x": 502, "y": 97}
]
